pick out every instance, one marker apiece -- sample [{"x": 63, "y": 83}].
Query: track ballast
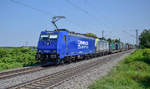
[{"x": 55, "y": 79}]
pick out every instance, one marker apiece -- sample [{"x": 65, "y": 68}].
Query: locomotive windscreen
[{"x": 45, "y": 37}]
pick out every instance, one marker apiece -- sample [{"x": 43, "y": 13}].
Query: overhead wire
[
  {"x": 48, "y": 13},
  {"x": 79, "y": 8},
  {"x": 31, "y": 7},
  {"x": 38, "y": 10},
  {"x": 90, "y": 15},
  {"x": 129, "y": 34},
  {"x": 86, "y": 12}
]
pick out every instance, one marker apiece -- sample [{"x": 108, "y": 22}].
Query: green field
[
  {"x": 16, "y": 57},
  {"x": 131, "y": 73}
]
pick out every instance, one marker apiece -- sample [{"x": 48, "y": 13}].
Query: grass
[
  {"x": 16, "y": 57},
  {"x": 131, "y": 73}
]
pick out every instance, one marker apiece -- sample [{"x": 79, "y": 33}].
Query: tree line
[
  {"x": 103, "y": 38},
  {"x": 145, "y": 39}
]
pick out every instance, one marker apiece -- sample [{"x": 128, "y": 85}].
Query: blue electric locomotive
[{"x": 61, "y": 46}]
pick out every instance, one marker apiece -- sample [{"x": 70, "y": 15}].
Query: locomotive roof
[{"x": 71, "y": 33}]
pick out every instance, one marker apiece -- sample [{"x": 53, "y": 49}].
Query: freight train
[{"x": 60, "y": 46}]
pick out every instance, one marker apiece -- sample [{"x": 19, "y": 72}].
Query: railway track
[
  {"x": 52, "y": 80},
  {"x": 12, "y": 73}
]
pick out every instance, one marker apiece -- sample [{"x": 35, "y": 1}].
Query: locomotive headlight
[
  {"x": 40, "y": 51},
  {"x": 53, "y": 56}
]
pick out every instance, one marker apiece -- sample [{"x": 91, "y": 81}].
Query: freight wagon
[{"x": 102, "y": 47}]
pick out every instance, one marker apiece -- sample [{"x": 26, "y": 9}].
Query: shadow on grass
[
  {"x": 145, "y": 82},
  {"x": 144, "y": 59}
]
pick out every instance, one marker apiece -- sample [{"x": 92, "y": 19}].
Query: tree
[
  {"x": 109, "y": 40},
  {"x": 90, "y": 35},
  {"x": 112, "y": 40},
  {"x": 103, "y": 38},
  {"x": 145, "y": 39},
  {"x": 116, "y": 40}
]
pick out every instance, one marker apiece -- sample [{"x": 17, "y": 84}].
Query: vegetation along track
[
  {"x": 52, "y": 80},
  {"x": 17, "y": 72}
]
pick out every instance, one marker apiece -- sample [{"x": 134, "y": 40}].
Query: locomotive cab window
[
  {"x": 53, "y": 36},
  {"x": 44, "y": 37}
]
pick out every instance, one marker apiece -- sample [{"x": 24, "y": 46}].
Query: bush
[
  {"x": 16, "y": 57},
  {"x": 3, "y": 53},
  {"x": 131, "y": 73}
]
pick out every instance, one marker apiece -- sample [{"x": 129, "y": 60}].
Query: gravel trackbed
[{"x": 80, "y": 81}]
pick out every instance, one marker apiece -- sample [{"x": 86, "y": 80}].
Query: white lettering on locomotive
[{"x": 83, "y": 44}]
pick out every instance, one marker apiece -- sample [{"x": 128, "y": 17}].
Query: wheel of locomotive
[
  {"x": 73, "y": 59},
  {"x": 62, "y": 61},
  {"x": 69, "y": 60},
  {"x": 84, "y": 57},
  {"x": 88, "y": 56},
  {"x": 57, "y": 62}
]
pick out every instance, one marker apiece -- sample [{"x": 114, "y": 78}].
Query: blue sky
[{"x": 21, "y": 25}]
